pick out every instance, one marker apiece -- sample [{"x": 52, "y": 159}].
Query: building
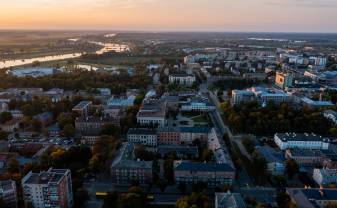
[
  {"x": 126, "y": 169},
  {"x": 313, "y": 197},
  {"x": 305, "y": 157},
  {"x": 182, "y": 79},
  {"x": 52, "y": 188},
  {"x": 125, "y": 101},
  {"x": 45, "y": 118},
  {"x": 168, "y": 136},
  {"x": 152, "y": 113},
  {"x": 229, "y": 200},
  {"x": 266, "y": 95},
  {"x": 11, "y": 125},
  {"x": 214, "y": 174},
  {"x": 82, "y": 109},
  {"x": 331, "y": 115},
  {"x": 242, "y": 96},
  {"x": 198, "y": 104},
  {"x": 301, "y": 141},
  {"x": 325, "y": 176},
  {"x": 315, "y": 103},
  {"x": 8, "y": 193},
  {"x": 181, "y": 151},
  {"x": 144, "y": 136},
  {"x": 284, "y": 80},
  {"x": 189, "y": 134},
  {"x": 275, "y": 159},
  {"x": 93, "y": 125},
  {"x": 32, "y": 72}
]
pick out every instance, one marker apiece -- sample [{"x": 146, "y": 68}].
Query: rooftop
[
  {"x": 301, "y": 137},
  {"x": 202, "y": 167}
]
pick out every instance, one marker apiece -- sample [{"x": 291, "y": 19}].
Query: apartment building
[
  {"x": 126, "y": 168},
  {"x": 52, "y": 188},
  {"x": 214, "y": 174},
  {"x": 144, "y": 136},
  {"x": 8, "y": 193},
  {"x": 82, "y": 108},
  {"x": 152, "y": 113}
]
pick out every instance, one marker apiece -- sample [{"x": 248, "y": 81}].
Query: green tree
[
  {"x": 5, "y": 116},
  {"x": 69, "y": 130},
  {"x": 110, "y": 130},
  {"x": 36, "y": 125},
  {"x": 3, "y": 135},
  {"x": 13, "y": 166},
  {"x": 27, "y": 110},
  {"x": 207, "y": 155},
  {"x": 291, "y": 168},
  {"x": 331, "y": 205}
]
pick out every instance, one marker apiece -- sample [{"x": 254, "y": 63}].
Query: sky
[{"x": 172, "y": 15}]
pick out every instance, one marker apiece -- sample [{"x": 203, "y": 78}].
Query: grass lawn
[{"x": 200, "y": 119}]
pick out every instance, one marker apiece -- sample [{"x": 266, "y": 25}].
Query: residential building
[
  {"x": 214, "y": 174},
  {"x": 181, "y": 151},
  {"x": 301, "y": 141},
  {"x": 52, "y": 188},
  {"x": 284, "y": 80},
  {"x": 325, "y": 176},
  {"x": 275, "y": 159},
  {"x": 313, "y": 197},
  {"x": 229, "y": 200},
  {"x": 189, "y": 134},
  {"x": 152, "y": 113},
  {"x": 82, "y": 109},
  {"x": 182, "y": 79},
  {"x": 266, "y": 95},
  {"x": 331, "y": 115},
  {"x": 8, "y": 193},
  {"x": 144, "y": 136},
  {"x": 126, "y": 168},
  {"x": 315, "y": 103},
  {"x": 168, "y": 136}
]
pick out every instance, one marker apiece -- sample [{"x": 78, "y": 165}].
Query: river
[{"x": 106, "y": 48}]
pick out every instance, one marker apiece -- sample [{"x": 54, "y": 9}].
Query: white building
[
  {"x": 242, "y": 96},
  {"x": 147, "y": 137},
  {"x": 300, "y": 141},
  {"x": 182, "y": 79},
  {"x": 152, "y": 112},
  {"x": 198, "y": 104},
  {"x": 325, "y": 176},
  {"x": 229, "y": 200},
  {"x": 122, "y": 101},
  {"x": 331, "y": 115}
]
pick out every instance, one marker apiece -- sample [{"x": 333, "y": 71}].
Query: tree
[
  {"x": 27, "y": 110},
  {"x": 134, "y": 198},
  {"x": 207, "y": 155},
  {"x": 195, "y": 200},
  {"x": 259, "y": 168},
  {"x": 64, "y": 119},
  {"x": 182, "y": 187},
  {"x": 80, "y": 197},
  {"x": 13, "y": 166},
  {"x": 249, "y": 145},
  {"x": 36, "y": 125},
  {"x": 291, "y": 168},
  {"x": 110, "y": 130},
  {"x": 68, "y": 130},
  {"x": 331, "y": 205},
  {"x": 3, "y": 135},
  {"x": 5, "y": 116},
  {"x": 168, "y": 171}
]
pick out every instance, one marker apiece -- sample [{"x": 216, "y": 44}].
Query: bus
[{"x": 101, "y": 195}]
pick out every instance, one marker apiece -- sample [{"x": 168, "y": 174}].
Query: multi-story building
[
  {"x": 313, "y": 197},
  {"x": 8, "y": 193},
  {"x": 189, "y": 134},
  {"x": 242, "y": 96},
  {"x": 52, "y": 188},
  {"x": 305, "y": 157},
  {"x": 93, "y": 125},
  {"x": 213, "y": 174},
  {"x": 168, "y": 136},
  {"x": 152, "y": 113},
  {"x": 125, "y": 101},
  {"x": 265, "y": 95},
  {"x": 144, "y": 136},
  {"x": 82, "y": 108},
  {"x": 331, "y": 115},
  {"x": 182, "y": 79},
  {"x": 284, "y": 80},
  {"x": 11, "y": 125},
  {"x": 301, "y": 141},
  {"x": 126, "y": 169},
  {"x": 198, "y": 104},
  {"x": 229, "y": 200},
  {"x": 275, "y": 159},
  {"x": 325, "y": 176}
]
